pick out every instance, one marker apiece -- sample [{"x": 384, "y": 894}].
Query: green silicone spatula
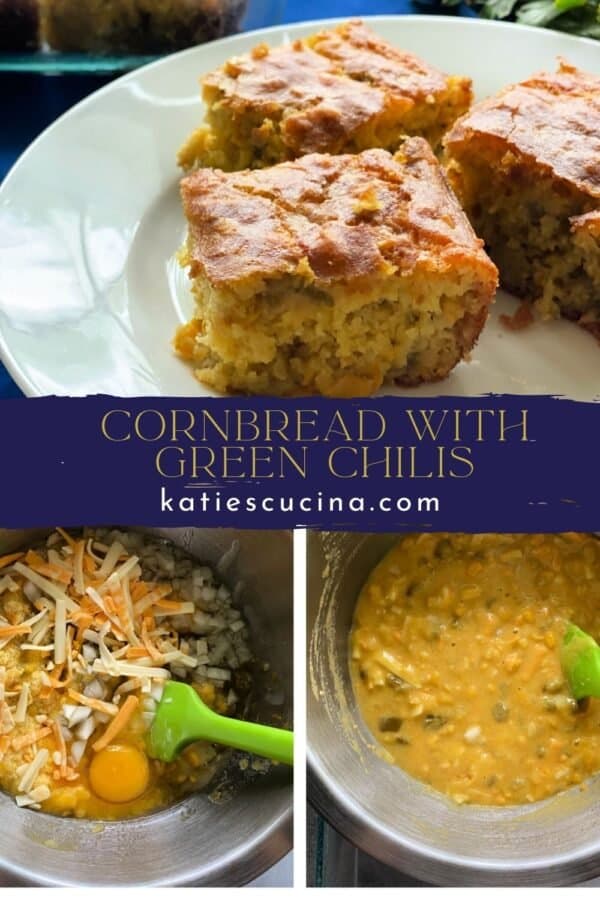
[
  {"x": 580, "y": 661},
  {"x": 182, "y": 718}
]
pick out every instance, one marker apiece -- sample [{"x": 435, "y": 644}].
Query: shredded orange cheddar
[
  {"x": 136, "y": 652},
  {"x": 39, "y": 565},
  {"x": 10, "y": 558},
  {"x": 153, "y": 653},
  {"x": 170, "y": 605},
  {"x": 118, "y": 723},
  {"x": 32, "y": 738},
  {"x": 140, "y": 589},
  {"x": 13, "y": 630},
  {"x": 54, "y": 679},
  {"x": 92, "y": 702}
]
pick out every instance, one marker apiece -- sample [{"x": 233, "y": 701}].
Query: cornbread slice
[
  {"x": 339, "y": 91},
  {"x": 526, "y": 166},
  {"x": 330, "y": 274}
]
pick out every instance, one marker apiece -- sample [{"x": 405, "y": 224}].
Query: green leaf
[
  {"x": 564, "y": 5},
  {"x": 538, "y": 12},
  {"x": 584, "y": 21},
  {"x": 581, "y": 17},
  {"x": 499, "y": 9},
  {"x": 583, "y": 29}
]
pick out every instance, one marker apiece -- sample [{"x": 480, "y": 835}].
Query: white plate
[{"x": 90, "y": 295}]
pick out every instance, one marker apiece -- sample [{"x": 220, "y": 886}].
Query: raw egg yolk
[{"x": 119, "y": 773}]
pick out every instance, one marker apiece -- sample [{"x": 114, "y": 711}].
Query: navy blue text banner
[{"x": 499, "y": 463}]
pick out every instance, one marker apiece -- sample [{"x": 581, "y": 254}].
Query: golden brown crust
[
  {"x": 325, "y": 88},
  {"x": 365, "y": 56},
  {"x": 329, "y": 219},
  {"x": 552, "y": 119},
  {"x": 322, "y": 108}
]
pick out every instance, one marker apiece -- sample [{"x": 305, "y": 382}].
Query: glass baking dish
[{"x": 235, "y": 16}]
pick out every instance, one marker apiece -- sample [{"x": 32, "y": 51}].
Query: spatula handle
[{"x": 263, "y": 740}]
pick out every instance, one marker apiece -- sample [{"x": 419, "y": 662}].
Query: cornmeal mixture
[
  {"x": 456, "y": 669},
  {"x": 90, "y": 628}
]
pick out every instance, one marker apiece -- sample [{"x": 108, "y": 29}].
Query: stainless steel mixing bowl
[
  {"x": 195, "y": 842},
  {"x": 387, "y": 813}
]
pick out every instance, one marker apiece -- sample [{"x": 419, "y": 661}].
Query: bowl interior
[
  {"x": 391, "y": 815},
  {"x": 197, "y": 841}
]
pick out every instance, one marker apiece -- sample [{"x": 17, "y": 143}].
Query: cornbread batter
[{"x": 456, "y": 669}]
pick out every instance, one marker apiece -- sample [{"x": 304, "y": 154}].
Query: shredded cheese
[
  {"x": 33, "y": 770},
  {"x": 9, "y": 559},
  {"x": 8, "y": 584},
  {"x": 38, "y": 648},
  {"x": 22, "y": 702},
  {"x": 78, "y": 579},
  {"x": 60, "y": 631},
  {"x": 61, "y": 574},
  {"x": 109, "y": 708},
  {"x": 64, "y": 534},
  {"x": 151, "y": 598},
  {"x": 37, "y": 618},
  {"x": 32, "y": 738},
  {"x": 40, "y": 793},
  {"x": 102, "y": 605},
  {"x": 38, "y": 635},
  {"x": 118, "y": 723},
  {"x": 129, "y": 670},
  {"x": 57, "y": 560},
  {"x": 52, "y": 590},
  {"x": 89, "y": 549},
  {"x": 129, "y": 615},
  {"x": 132, "y": 684},
  {"x": 62, "y": 747},
  {"x": 111, "y": 559},
  {"x": 14, "y": 630},
  {"x": 124, "y": 570},
  {"x": 178, "y": 609}
]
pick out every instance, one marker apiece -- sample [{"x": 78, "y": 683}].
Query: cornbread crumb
[
  {"x": 526, "y": 166},
  {"x": 339, "y": 91},
  {"x": 520, "y": 319},
  {"x": 331, "y": 274}
]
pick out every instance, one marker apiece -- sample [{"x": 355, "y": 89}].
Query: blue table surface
[{"x": 31, "y": 102}]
